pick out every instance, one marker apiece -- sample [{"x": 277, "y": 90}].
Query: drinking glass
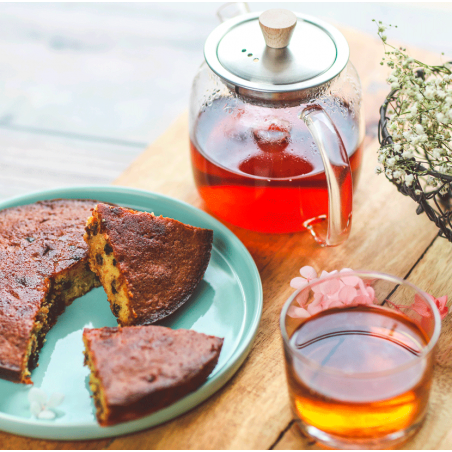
[{"x": 359, "y": 352}]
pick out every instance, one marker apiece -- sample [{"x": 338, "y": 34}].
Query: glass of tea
[{"x": 359, "y": 350}]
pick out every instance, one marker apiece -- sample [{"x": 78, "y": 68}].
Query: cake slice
[
  {"x": 43, "y": 268},
  {"x": 149, "y": 266},
  {"x": 137, "y": 370}
]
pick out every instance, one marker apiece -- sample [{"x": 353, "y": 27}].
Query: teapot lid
[{"x": 237, "y": 52}]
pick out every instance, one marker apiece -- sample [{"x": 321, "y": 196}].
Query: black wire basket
[{"x": 437, "y": 206}]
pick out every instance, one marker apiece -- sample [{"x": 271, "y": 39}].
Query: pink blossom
[
  {"x": 333, "y": 293},
  {"x": 349, "y": 280},
  {"x": 308, "y": 272},
  {"x": 302, "y": 297},
  {"x": 299, "y": 313},
  {"x": 421, "y": 308},
  {"x": 441, "y": 304},
  {"x": 343, "y": 291},
  {"x": 348, "y": 294},
  {"x": 298, "y": 283},
  {"x": 330, "y": 287}
]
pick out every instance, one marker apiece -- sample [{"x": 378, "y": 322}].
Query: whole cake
[
  {"x": 137, "y": 370},
  {"x": 149, "y": 266},
  {"x": 43, "y": 268}
]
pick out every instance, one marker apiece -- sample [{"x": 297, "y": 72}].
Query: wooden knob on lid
[{"x": 277, "y": 25}]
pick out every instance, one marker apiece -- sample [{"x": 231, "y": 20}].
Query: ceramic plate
[{"x": 227, "y": 303}]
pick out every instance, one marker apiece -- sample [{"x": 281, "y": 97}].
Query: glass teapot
[{"x": 276, "y": 125}]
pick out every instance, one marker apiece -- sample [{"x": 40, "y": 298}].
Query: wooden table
[{"x": 252, "y": 410}]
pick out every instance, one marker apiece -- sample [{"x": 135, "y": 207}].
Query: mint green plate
[{"x": 227, "y": 303}]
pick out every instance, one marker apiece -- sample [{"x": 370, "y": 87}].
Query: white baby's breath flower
[
  {"x": 408, "y": 154},
  {"x": 440, "y": 117},
  {"x": 436, "y": 153},
  {"x": 419, "y": 129},
  {"x": 429, "y": 94},
  {"x": 423, "y": 138},
  {"x": 40, "y": 406},
  {"x": 420, "y": 122},
  {"x": 390, "y": 162},
  {"x": 409, "y": 179},
  {"x": 407, "y": 134}
]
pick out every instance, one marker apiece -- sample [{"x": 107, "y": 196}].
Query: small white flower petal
[
  {"x": 35, "y": 408},
  {"x": 46, "y": 415},
  {"x": 55, "y": 399},
  {"x": 419, "y": 129},
  {"x": 409, "y": 179},
  {"x": 37, "y": 395}
]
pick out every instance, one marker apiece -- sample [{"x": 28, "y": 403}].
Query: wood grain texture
[
  {"x": 252, "y": 411},
  {"x": 277, "y": 26}
]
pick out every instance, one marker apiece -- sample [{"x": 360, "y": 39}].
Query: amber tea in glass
[{"x": 359, "y": 376}]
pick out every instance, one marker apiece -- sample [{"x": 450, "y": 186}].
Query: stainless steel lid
[{"x": 236, "y": 51}]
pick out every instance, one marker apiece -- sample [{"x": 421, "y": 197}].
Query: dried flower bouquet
[{"x": 415, "y": 133}]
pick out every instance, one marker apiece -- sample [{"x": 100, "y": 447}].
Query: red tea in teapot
[{"x": 260, "y": 169}]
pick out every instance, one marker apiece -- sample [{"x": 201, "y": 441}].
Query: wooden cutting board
[{"x": 252, "y": 410}]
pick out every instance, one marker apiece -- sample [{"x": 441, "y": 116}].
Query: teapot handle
[{"x": 338, "y": 177}]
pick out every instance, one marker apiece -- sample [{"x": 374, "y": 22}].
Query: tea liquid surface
[
  {"x": 347, "y": 398},
  {"x": 261, "y": 169}
]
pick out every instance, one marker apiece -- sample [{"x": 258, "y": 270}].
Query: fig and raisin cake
[
  {"x": 43, "y": 268},
  {"x": 148, "y": 265},
  {"x": 136, "y": 370}
]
